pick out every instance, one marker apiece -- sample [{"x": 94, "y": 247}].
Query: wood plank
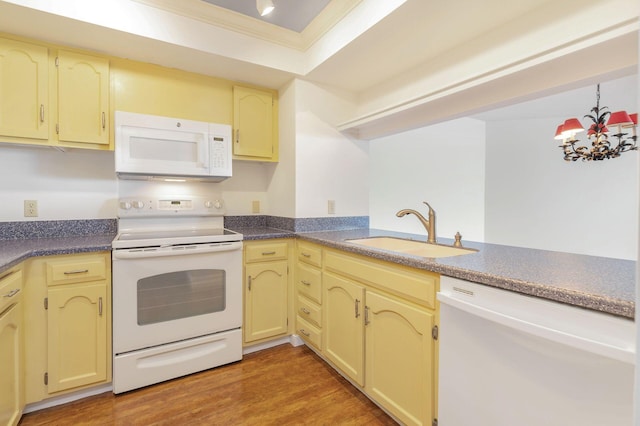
[{"x": 280, "y": 386}]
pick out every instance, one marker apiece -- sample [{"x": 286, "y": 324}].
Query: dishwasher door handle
[{"x": 623, "y": 354}]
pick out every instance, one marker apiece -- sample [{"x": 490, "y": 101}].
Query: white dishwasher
[{"x": 508, "y": 359}]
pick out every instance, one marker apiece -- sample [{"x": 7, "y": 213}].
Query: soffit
[{"x": 261, "y": 28}]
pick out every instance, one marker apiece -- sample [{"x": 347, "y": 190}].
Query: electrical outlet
[
  {"x": 331, "y": 207},
  {"x": 255, "y": 206},
  {"x": 30, "y": 208}
]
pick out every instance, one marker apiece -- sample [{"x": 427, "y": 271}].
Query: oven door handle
[{"x": 183, "y": 250}]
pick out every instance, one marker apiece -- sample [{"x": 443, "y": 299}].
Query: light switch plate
[
  {"x": 255, "y": 206},
  {"x": 331, "y": 207}
]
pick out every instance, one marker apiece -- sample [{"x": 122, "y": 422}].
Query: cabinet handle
[
  {"x": 249, "y": 282},
  {"x": 104, "y": 120},
  {"x": 237, "y": 135},
  {"x": 305, "y": 310},
  {"x": 357, "y": 308},
  {"x": 306, "y": 254},
  {"x": 12, "y": 292},
  {"x": 268, "y": 253},
  {"x": 304, "y": 332},
  {"x": 76, "y": 271},
  {"x": 305, "y": 282},
  {"x": 366, "y": 315},
  {"x": 100, "y": 306},
  {"x": 42, "y": 113}
]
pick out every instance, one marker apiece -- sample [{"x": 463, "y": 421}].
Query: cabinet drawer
[
  {"x": 309, "y": 282},
  {"x": 77, "y": 269},
  {"x": 309, "y": 333},
  {"x": 266, "y": 251},
  {"x": 310, "y": 311},
  {"x": 309, "y": 253},
  {"x": 10, "y": 289}
]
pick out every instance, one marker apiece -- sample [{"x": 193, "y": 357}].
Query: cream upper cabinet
[
  {"x": 24, "y": 99},
  {"x": 11, "y": 353},
  {"x": 343, "y": 326},
  {"x": 266, "y": 290},
  {"x": 83, "y": 98},
  {"x": 253, "y": 125}
]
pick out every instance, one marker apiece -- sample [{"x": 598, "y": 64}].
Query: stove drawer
[{"x": 76, "y": 269}]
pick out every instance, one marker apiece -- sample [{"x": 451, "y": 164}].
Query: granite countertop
[
  {"x": 12, "y": 252},
  {"x": 597, "y": 283}
]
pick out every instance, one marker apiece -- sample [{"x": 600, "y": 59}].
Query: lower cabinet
[
  {"x": 399, "y": 355},
  {"x": 344, "y": 325},
  {"x": 378, "y": 323},
  {"x": 11, "y": 353},
  {"x": 76, "y": 336},
  {"x": 67, "y": 323},
  {"x": 266, "y": 290}
]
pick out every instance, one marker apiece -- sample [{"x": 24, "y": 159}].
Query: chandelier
[{"x": 601, "y": 146}]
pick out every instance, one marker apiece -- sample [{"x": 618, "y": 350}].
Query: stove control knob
[
  {"x": 125, "y": 205},
  {"x": 208, "y": 204},
  {"x": 138, "y": 204},
  {"x": 217, "y": 204}
]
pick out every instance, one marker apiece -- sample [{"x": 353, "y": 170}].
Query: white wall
[
  {"x": 329, "y": 165},
  {"x": 282, "y": 183},
  {"x": 535, "y": 199},
  {"x": 77, "y": 184},
  {"x": 442, "y": 164},
  {"x": 81, "y": 184}
]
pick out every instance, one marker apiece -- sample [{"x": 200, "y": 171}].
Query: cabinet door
[
  {"x": 252, "y": 123},
  {"x": 11, "y": 391},
  {"x": 343, "y": 325},
  {"x": 77, "y": 335},
  {"x": 265, "y": 300},
  {"x": 399, "y": 358},
  {"x": 83, "y": 98},
  {"x": 24, "y": 100}
]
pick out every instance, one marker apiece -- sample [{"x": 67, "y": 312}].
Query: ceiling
[
  {"x": 294, "y": 15},
  {"x": 369, "y": 50}
]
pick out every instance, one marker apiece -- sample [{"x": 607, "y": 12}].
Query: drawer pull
[
  {"x": 249, "y": 283},
  {"x": 306, "y": 254},
  {"x": 366, "y": 315},
  {"x": 76, "y": 272},
  {"x": 268, "y": 253},
  {"x": 237, "y": 135},
  {"x": 304, "y": 332},
  {"x": 357, "y": 308},
  {"x": 42, "y": 113},
  {"x": 100, "y": 306},
  {"x": 12, "y": 292},
  {"x": 305, "y": 282},
  {"x": 104, "y": 120},
  {"x": 305, "y": 310}
]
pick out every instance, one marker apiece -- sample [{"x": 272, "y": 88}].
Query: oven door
[{"x": 166, "y": 294}]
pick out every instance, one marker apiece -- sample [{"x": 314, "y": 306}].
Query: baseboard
[
  {"x": 293, "y": 340},
  {"x": 69, "y": 397}
]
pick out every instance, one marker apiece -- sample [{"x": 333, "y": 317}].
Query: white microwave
[{"x": 155, "y": 147}]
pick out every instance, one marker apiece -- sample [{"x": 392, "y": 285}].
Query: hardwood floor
[{"x": 278, "y": 386}]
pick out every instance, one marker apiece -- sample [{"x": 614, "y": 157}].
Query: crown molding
[{"x": 237, "y": 22}]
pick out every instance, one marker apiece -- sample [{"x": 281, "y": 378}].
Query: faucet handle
[{"x": 458, "y": 241}]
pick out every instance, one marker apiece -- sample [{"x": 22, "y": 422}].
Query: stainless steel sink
[{"x": 416, "y": 248}]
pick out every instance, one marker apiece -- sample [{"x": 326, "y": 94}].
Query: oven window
[{"x": 182, "y": 294}]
